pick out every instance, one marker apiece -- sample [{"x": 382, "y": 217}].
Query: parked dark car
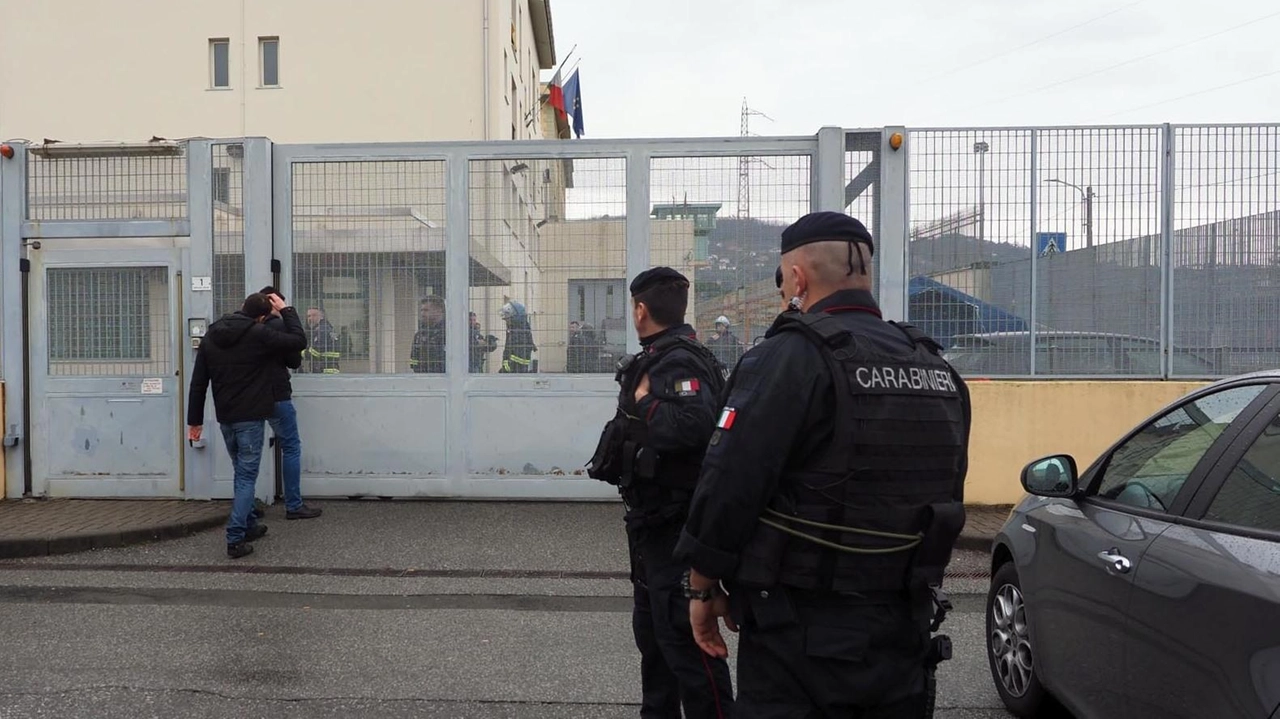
[
  {"x": 1068, "y": 353},
  {"x": 1149, "y": 584}
]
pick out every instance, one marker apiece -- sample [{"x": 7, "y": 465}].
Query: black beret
[
  {"x": 777, "y": 277},
  {"x": 649, "y": 278},
  {"x": 825, "y": 226}
]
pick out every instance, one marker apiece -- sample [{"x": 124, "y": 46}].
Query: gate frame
[
  {"x": 827, "y": 182},
  {"x": 13, "y": 202},
  {"x": 17, "y": 231}
]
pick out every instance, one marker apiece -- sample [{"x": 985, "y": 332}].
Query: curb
[
  {"x": 19, "y": 548},
  {"x": 975, "y": 542}
]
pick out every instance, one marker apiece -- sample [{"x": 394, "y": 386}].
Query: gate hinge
[
  {"x": 11, "y": 440},
  {"x": 24, "y": 265}
]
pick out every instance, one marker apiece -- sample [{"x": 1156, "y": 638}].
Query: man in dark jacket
[
  {"x": 284, "y": 422},
  {"x": 426, "y": 355},
  {"x": 666, "y": 409},
  {"x": 239, "y": 355},
  {"x": 323, "y": 354}
]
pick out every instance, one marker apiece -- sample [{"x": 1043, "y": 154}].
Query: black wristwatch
[{"x": 702, "y": 595}]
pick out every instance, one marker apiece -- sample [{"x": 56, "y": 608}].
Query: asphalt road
[{"x": 168, "y": 631}]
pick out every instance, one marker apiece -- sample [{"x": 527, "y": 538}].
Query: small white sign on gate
[
  {"x": 201, "y": 284},
  {"x": 153, "y": 385}
]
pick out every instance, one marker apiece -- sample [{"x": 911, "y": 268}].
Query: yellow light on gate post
[{"x": 895, "y": 140}]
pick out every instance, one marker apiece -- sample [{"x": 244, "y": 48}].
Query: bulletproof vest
[
  {"x": 641, "y": 465},
  {"x": 894, "y": 465}
]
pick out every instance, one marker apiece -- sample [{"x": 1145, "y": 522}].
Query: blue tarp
[{"x": 944, "y": 312}]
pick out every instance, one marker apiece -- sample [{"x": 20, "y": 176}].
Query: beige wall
[
  {"x": 86, "y": 70},
  {"x": 1015, "y": 422}
]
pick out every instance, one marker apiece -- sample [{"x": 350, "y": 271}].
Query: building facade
[{"x": 293, "y": 70}]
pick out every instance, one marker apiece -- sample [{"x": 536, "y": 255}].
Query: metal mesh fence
[
  {"x": 1226, "y": 249},
  {"x": 970, "y": 222},
  {"x": 369, "y": 265},
  {"x": 112, "y": 183},
  {"x": 718, "y": 220},
  {"x": 109, "y": 322},
  {"x": 548, "y": 286},
  {"x": 227, "y": 196},
  {"x": 1056, "y": 229},
  {"x": 1097, "y": 230}
]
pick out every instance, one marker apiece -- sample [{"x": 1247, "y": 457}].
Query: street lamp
[
  {"x": 1087, "y": 195},
  {"x": 981, "y": 148}
]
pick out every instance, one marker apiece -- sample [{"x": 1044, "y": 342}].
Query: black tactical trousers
[
  {"x": 806, "y": 655},
  {"x": 673, "y": 670}
]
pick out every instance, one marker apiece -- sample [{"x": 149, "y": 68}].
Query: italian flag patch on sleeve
[
  {"x": 726, "y": 418},
  {"x": 687, "y": 387}
]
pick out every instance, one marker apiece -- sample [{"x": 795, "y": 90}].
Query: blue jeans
[
  {"x": 244, "y": 442},
  {"x": 285, "y": 425}
]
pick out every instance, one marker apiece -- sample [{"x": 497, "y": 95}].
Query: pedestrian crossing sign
[{"x": 1051, "y": 243}]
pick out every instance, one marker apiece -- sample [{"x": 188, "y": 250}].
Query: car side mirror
[{"x": 1053, "y": 476}]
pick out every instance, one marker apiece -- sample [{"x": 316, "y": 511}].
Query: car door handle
[{"x": 1118, "y": 561}]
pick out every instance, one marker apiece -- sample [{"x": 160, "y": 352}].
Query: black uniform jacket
[
  {"x": 779, "y": 411},
  {"x": 680, "y": 407}
]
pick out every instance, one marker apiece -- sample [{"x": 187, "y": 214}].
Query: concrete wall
[
  {"x": 3, "y": 489},
  {"x": 411, "y": 70},
  {"x": 1015, "y": 422}
]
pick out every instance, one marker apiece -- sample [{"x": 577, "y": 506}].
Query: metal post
[
  {"x": 1035, "y": 249},
  {"x": 892, "y": 244},
  {"x": 981, "y": 148},
  {"x": 199, "y": 463},
  {"x": 1166, "y": 254},
  {"x": 828, "y": 171},
  {"x": 13, "y": 202},
  {"x": 258, "y": 252},
  {"x": 1088, "y": 215},
  {"x": 637, "y": 232},
  {"x": 457, "y": 286}
]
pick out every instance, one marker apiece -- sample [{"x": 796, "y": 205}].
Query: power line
[
  {"x": 1130, "y": 61},
  {"x": 1032, "y": 43},
  {"x": 1197, "y": 93}
]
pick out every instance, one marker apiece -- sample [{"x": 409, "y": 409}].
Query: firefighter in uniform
[
  {"x": 322, "y": 353},
  {"x": 652, "y": 450},
  {"x": 830, "y": 497}
]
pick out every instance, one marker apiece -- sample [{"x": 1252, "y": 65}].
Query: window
[
  {"x": 1251, "y": 495},
  {"x": 1150, "y": 468},
  {"x": 222, "y": 185},
  {"x": 269, "y": 60},
  {"x": 220, "y": 63},
  {"x": 107, "y": 322}
]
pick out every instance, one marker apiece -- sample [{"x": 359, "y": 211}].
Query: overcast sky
[{"x": 682, "y": 67}]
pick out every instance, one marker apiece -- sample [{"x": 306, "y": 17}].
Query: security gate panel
[{"x": 106, "y": 377}]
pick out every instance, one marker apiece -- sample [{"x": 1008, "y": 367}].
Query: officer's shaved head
[{"x": 824, "y": 267}]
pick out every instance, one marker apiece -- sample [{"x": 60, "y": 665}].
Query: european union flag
[{"x": 573, "y": 102}]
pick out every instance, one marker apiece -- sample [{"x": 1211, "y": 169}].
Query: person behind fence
[
  {"x": 652, "y": 450},
  {"x": 481, "y": 346},
  {"x": 239, "y": 355},
  {"x": 323, "y": 353},
  {"x": 284, "y": 422},
  {"x": 517, "y": 353},
  {"x": 830, "y": 497},
  {"x": 726, "y": 346},
  {"x": 577, "y": 353},
  {"x": 427, "y": 353}
]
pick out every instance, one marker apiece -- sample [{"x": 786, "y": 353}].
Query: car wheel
[{"x": 1009, "y": 645}]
